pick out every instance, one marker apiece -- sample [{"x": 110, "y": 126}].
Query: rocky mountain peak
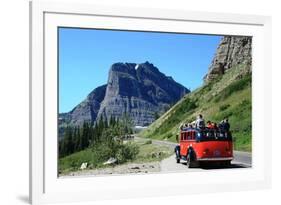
[
  {"x": 139, "y": 90},
  {"x": 123, "y": 67}
]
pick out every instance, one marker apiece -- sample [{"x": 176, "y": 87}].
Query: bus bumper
[{"x": 216, "y": 159}]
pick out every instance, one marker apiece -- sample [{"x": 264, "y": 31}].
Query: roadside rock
[
  {"x": 84, "y": 165},
  {"x": 110, "y": 161}
]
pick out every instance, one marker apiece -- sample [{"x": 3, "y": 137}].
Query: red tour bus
[{"x": 204, "y": 145}]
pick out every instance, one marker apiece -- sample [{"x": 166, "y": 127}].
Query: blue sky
[{"x": 85, "y": 56}]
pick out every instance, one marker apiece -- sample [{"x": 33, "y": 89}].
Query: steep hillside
[
  {"x": 225, "y": 98},
  {"x": 226, "y": 93}
]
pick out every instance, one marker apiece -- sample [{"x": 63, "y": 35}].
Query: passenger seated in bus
[
  {"x": 215, "y": 126},
  {"x": 226, "y": 125},
  {"x": 221, "y": 126},
  {"x": 209, "y": 124},
  {"x": 200, "y": 122},
  {"x": 181, "y": 127},
  {"x": 190, "y": 125},
  {"x": 184, "y": 127},
  {"x": 224, "y": 128}
]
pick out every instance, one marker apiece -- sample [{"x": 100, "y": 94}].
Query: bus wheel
[
  {"x": 178, "y": 156},
  {"x": 227, "y": 163},
  {"x": 189, "y": 160}
]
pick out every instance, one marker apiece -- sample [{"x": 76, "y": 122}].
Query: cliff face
[
  {"x": 140, "y": 90},
  {"x": 231, "y": 52}
]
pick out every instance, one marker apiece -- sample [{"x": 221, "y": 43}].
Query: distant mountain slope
[
  {"x": 224, "y": 94},
  {"x": 140, "y": 90},
  {"x": 87, "y": 110}
]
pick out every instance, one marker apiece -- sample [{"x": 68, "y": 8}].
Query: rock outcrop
[
  {"x": 140, "y": 90},
  {"x": 232, "y": 51}
]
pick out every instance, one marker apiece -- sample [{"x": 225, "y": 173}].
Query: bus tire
[
  {"x": 178, "y": 156},
  {"x": 191, "y": 159},
  {"x": 227, "y": 163},
  {"x": 177, "y": 152}
]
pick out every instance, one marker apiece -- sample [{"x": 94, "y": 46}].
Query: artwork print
[{"x": 142, "y": 102}]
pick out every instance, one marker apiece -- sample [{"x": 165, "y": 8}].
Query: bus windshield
[{"x": 213, "y": 135}]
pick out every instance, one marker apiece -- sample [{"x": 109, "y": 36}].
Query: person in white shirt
[{"x": 200, "y": 122}]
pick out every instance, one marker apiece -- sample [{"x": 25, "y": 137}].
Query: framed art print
[{"x": 146, "y": 102}]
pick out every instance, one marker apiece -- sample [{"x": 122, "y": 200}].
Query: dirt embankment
[{"x": 134, "y": 168}]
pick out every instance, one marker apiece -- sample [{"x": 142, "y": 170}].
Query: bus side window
[
  {"x": 185, "y": 136},
  {"x": 199, "y": 135},
  {"x": 181, "y": 136}
]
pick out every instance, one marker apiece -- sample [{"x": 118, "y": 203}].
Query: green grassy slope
[{"x": 229, "y": 96}]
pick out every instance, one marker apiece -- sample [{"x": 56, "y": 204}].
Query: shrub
[
  {"x": 126, "y": 152},
  {"x": 98, "y": 154},
  {"x": 224, "y": 107},
  {"x": 245, "y": 103},
  {"x": 223, "y": 114},
  {"x": 148, "y": 142},
  {"x": 169, "y": 135},
  {"x": 103, "y": 152},
  {"x": 187, "y": 106}
]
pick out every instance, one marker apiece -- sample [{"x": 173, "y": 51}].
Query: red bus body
[{"x": 205, "y": 149}]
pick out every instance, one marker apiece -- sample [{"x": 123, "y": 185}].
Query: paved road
[
  {"x": 241, "y": 160},
  {"x": 170, "y": 165}
]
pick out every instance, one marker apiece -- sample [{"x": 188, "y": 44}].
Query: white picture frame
[{"x": 46, "y": 187}]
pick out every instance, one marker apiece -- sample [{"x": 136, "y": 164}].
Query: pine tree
[
  {"x": 80, "y": 145},
  {"x": 61, "y": 148},
  {"x": 70, "y": 143},
  {"x": 111, "y": 123},
  {"x": 127, "y": 124},
  {"x": 67, "y": 142},
  {"x": 76, "y": 140},
  {"x": 105, "y": 122},
  {"x": 85, "y": 136},
  {"x": 91, "y": 135},
  {"x": 101, "y": 124}
]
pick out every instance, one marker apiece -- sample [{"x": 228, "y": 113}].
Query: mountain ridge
[{"x": 140, "y": 90}]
